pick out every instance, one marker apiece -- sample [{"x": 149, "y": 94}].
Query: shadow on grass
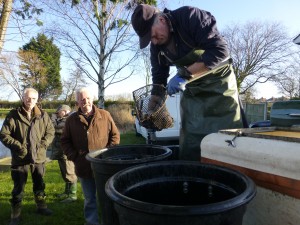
[{"x": 63, "y": 213}]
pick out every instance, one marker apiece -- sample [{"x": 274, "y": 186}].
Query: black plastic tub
[
  {"x": 180, "y": 193},
  {"x": 175, "y": 152},
  {"x": 106, "y": 162}
]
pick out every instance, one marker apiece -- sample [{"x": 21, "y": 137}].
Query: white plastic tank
[{"x": 271, "y": 157}]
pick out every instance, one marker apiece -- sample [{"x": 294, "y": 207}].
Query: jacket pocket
[{"x": 21, "y": 153}]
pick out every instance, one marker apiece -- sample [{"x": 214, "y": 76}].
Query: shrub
[{"x": 121, "y": 113}]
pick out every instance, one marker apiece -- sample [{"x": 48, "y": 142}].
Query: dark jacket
[
  {"x": 79, "y": 138},
  {"x": 192, "y": 28},
  {"x": 59, "y": 124},
  {"x": 27, "y": 139}
]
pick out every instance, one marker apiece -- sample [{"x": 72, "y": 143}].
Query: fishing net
[{"x": 151, "y": 110}]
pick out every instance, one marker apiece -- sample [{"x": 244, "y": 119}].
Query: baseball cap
[
  {"x": 142, "y": 20},
  {"x": 63, "y": 107}
]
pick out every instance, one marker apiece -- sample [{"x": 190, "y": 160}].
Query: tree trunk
[
  {"x": 4, "y": 18},
  {"x": 101, "y": 24}
]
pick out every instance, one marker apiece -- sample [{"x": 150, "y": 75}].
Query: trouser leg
[
  {"x": 70, "y": 192},
  {"x": 67, "y": 170},
  {"x": 62, "y": 168},
  {"x": 190, "y": 130},
  {"x": 90, "y": 200},
  {"x": 70, "y": 172},
  {"x": 19, "y": 176},
  {"x": 37, "y": 173},
  {"x": 15, "y": 213},
  {"x": 63, "y": 171},
  {"x": 189, "y": 145}
]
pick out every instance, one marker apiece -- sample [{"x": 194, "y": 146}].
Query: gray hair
[
  {"x": 26, "y": 90},
  {"x": 82, "y": 90},
  {"x": 157, "y": 15}
]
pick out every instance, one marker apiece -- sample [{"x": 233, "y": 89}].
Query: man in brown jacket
[
  {"x": 88, "y": 129},
  {"x": 27, "y": 131}
]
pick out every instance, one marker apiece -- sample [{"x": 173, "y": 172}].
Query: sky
[{"x": 226, "y": 13}]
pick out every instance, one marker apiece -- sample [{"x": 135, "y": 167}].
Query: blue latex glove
[{"x": 176, "y": 84}]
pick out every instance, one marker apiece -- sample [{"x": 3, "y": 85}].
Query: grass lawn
[{"x": 64, "y": 214}]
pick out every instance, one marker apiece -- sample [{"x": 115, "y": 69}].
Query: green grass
[
  {"x": 4, "y": 112},
  {"x": 130, "y": 138},
  {"x": 64, "y": 214}
]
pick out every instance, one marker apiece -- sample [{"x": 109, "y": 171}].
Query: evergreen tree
[{"x": 40, "y": 66}]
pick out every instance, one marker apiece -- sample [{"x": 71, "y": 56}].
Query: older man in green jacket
[{"x": 27, "y": 131}]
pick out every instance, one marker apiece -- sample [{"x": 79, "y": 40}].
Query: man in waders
[{"x": 188, "y": 39}]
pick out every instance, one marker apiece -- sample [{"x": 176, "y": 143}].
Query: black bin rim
[
  {"x": 91, "y": 156},
  {"x": 214, "y": 208}
]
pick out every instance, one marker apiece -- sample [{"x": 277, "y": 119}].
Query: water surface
[{"x": 4, "y": 152}]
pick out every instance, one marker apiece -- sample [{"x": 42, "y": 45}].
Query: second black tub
[{"x": 107, "y": 162}]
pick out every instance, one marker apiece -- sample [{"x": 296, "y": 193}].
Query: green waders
[
  {"x": 208, "y": 104},
  {"x": 70, "y": 194}
]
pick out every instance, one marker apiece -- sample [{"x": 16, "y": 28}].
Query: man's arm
[
  {"x": 6, "y": 134},
  {"x": 159, "y": 69}
]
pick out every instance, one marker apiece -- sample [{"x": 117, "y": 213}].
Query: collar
[
  {"x": 34, "y": 112},
  {"x": 90, "y": 114}
]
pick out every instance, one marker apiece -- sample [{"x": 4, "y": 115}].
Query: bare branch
[
  {"x": 259, "y": 51},
  {"x": 9, "y": 73},
  {"x": 96, "y": 36}
]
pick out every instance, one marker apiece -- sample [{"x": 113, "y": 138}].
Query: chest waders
[{"x": 207, "y": 105}]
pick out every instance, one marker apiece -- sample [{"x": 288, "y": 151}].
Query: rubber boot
[
  {"x": 64, "y": 195},
  {"x": 72, "y": 192},
  {"x": 41, "y": 206},
  {"x": 15, "y": 213}
]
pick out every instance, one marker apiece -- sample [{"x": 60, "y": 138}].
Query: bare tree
[
  {"x": 96, "y": 36},
  {"x": 75, "y": 81},
  {"x": 19, "y": 13},
  {"x": 259, "y": 51},
  {"x": 6, "y": 9},
  {"x": 16, "y": 18},
  {"x": 289, "y": 85},
  {"x": 146, "y": 66},
  {"x": 9, "y": 74},
  {"x": 289, "y": 82},
  {"x": 248, "y": 96}
]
